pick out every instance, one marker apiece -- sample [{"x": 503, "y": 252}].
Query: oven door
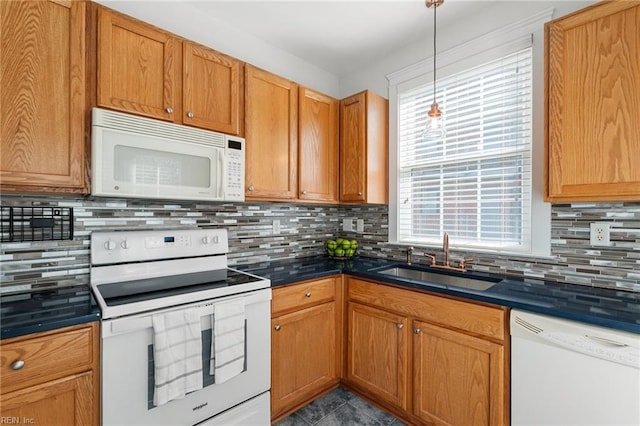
[{"x": 127, "y": 375}]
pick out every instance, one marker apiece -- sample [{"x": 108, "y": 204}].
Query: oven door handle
[{"x": 132, "y": 324}]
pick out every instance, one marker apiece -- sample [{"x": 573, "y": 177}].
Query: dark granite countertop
[
  {"x": 36, "y": 311},
  {"x": 598, "y": 306}
]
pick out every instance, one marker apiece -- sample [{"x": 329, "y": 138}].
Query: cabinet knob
[
  {"x": 169, "y": 110},
  {"x": 277, "y": 327},
  {"x": 17, "y": 365},
  {"x": 307, "y": 294},
  {"x": 304, "y": 192},
  {"x": 359, "y": 193},
  {"x": 399, "y": 325},
  {"x": 416, "y": 331},
  {"x": 250, "y": 188},
  {"x": 190, "y": 114}
]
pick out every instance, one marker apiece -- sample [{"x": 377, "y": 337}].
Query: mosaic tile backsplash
[{"x": 303, "y": 232}]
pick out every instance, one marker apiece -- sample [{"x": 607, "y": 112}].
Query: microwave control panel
[{"x": 235, "y": 163}]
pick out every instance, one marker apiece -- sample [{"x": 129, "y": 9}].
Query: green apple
[{"x": 339, "y": 252}]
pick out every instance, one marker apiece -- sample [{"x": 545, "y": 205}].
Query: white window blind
[{"x": 475, "y": 183}]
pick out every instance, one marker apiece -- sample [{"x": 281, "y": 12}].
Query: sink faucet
[
  {"x": 409, "y": 253},
  {"x": 445, "y": 248}
]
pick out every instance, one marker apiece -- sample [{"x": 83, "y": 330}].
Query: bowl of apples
[{"x": 342, "y": 248}]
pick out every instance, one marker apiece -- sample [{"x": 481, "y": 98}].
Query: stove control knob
[
  {"x": 110, "y": 245},
  {"x": 124, "y": 244},
  {"x": 206, "y": 239}
]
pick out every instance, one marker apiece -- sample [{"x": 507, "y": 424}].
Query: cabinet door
[
  {"x": 353, "y": 148},
  {"x": 318, "y": 143},
  {"x": 303, "y": 355},
  {"x": 211, "y": 89},
  {"x": 42, "y": 96},
  {"x": 271, "y": 129},
  {"x": 66, "y": 401},
  {"x": 377, "y": 352},
  {"x": 593, "y": 104},
  {"x": 136, "y": 67},
  {"x": 457, "y": 379}
]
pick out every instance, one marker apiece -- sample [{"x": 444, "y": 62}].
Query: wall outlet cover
[
  {"x": 347, "y": 225},
  {"x": 600, "y": 234}
]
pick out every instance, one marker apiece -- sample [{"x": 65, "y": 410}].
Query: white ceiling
[{"x": 337, "y": 36}]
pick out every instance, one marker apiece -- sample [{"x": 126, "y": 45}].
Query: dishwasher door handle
[{"x": 605, "y": 341}]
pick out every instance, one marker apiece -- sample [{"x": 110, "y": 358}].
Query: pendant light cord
[{"x": 435, "y": 8}]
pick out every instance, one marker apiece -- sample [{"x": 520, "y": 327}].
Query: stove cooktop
[{"x": 143, "y": 295}]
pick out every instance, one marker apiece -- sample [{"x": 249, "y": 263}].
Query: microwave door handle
[{"x": 221, "y": 175}]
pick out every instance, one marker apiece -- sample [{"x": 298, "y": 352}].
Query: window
[{"x": 475, "y": 183}]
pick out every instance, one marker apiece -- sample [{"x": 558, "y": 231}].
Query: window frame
[{"x": 504, "y": 41}]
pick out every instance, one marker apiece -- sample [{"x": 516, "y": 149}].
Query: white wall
[
  {"x": 495, "y": 16},
  {"x": 182, "y": 19}
]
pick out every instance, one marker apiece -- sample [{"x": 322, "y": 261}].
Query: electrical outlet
[
  {"x": 347, "y": 225},
  {"x": 360, "y": 226},
  {"x": 600, "y": 234},
  {"x": 276, "y": 226}
]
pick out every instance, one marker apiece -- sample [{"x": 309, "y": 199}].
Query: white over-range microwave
[{"x": 145, "y": 158}]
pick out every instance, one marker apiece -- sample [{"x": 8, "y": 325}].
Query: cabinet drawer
[
  {"x": 301, "y": 295},
  {"x": 46, "y": 356},
  {"x": 482, "y": 320}
]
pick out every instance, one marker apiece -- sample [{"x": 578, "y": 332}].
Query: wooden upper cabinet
[
  {"x": 593, "y": 104},
  {"x": 364, "y": 149},
  {"x": 318, "y": 147},
  {"x": 211, "y": 89},
  {"x": 42, "y": 96},
  {"x": 136, "y": 66},
  {"x": 147, "y": 71},
  {"x": 271, "y": 129}
]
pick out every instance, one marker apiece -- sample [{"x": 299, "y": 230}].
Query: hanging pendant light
[{"x": 435, "y": 121}]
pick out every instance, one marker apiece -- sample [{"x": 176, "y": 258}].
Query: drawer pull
[
  {"x": 277, "y": 327},
  {"x": 17, "y": 365},
  {"x": 399, "y": 325},
  {"x": 307, "y": 294}
]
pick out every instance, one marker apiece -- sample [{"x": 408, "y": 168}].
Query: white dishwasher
[{"x": 568, "y": 373}]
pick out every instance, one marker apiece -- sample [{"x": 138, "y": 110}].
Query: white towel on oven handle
[
  {"x": 228, "y": 340},
  {"x": 177, "y": 353}
]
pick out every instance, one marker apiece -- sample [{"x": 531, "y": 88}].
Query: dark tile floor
[{"x": 339, "y": 407}]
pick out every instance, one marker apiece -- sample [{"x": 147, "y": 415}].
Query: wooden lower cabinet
[
  {"x": 457, "y": 378},
  {"x": 66, "y": 401},
  {"x": 429, "y": 359},
  {"x": 377, "y": 359},
  {"x": 58, "y": 382},
  {"x": 305, "y": 343}
]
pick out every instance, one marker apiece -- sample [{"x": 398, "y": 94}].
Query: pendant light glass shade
[
  {"x": 435, "y": 128},
  {"x": 435, "y": 123}
]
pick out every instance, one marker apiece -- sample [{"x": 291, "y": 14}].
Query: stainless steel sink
[{"x": 442, "y": 279}]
